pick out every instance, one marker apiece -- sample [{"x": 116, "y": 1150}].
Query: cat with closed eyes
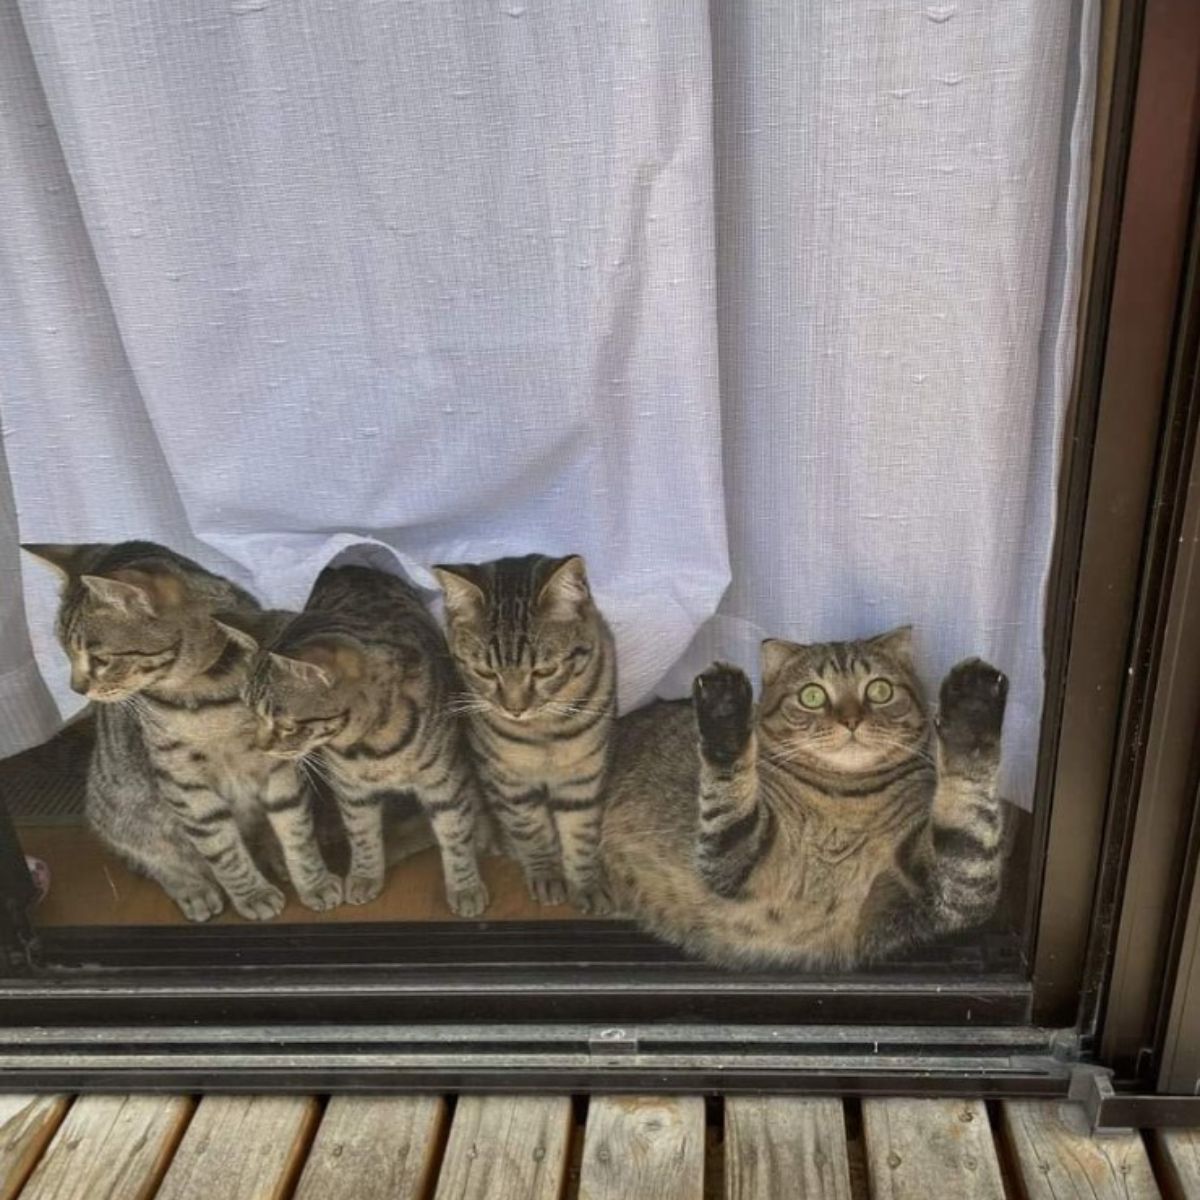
[
  {"x": 833, "y": 824},
  {"x": 358, "y": 687},
  {"x": 176, "y": 784},
  {"x": 539, "y": 671}
]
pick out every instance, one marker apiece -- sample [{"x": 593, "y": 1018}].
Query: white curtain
[{"x": 450, "y": 279}]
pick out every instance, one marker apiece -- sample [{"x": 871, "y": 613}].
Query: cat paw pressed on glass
[
  {"x": 971, "y": 709},
  {"x": 724, "y": 702}
]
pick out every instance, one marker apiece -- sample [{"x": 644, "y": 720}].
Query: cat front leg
[
  {"x": 529, "y": 836},
  {"x": 209, "y": 824},
  {"x": 288, "y": 804},
  {"x": 362, "y": 818},
  {"x": 966, "y": 824},
  {"x": 126, "y": 814},
  {"x": 576, "y": 807},
  {"x": 453, "y": 806},
  {"x": 734, "y": 829}
]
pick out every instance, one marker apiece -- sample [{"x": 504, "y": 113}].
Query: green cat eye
[
  {"x": 813, "y": 696},
  {"x": 879, "y": 691}
]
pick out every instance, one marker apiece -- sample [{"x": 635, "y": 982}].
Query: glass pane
[{"x": 611, "y": 343}]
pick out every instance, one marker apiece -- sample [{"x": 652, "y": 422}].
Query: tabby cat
[
  {"x": 176, "y": 785},
  {"x": 835, "y": 826},
  {"x": 358, "y": 687},
  {"x": 539, "y": 666}
]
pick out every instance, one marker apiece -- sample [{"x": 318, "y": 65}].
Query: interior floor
[{"x": 90, "y": 886}]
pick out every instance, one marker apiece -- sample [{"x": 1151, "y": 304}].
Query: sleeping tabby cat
[
  {"x": 539, "y": 665},
  {"x": 836, "y": 826},
  {"x": 359, "y": 687},
  {"x": 175, "y": 784}
]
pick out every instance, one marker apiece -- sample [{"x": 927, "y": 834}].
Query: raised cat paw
[
  {"x": 362, "y": 889},
  {"x": 323, "y": 895},
  {"x": 723, "y": 700},
  {"x": 261, "y": 904},
  {"x": 971, "y": 711},
  {"x": 469, "y": 901},
  {"x": 547, "y": 889},
  {"x": 199, "y": 903}
]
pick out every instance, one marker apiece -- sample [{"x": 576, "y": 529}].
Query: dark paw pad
[
  {"x": 724, "y": 704},
  {"x": 971, "y": 709}
]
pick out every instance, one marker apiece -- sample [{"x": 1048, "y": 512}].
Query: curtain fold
[
  {"x": 901, "y": 196},
  {"x": 450, "y": 281}
]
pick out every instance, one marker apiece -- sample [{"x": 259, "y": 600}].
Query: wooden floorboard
[
  {"x": 507, "y": 1148},
  {"x": 533, "y": 1148},
  {"x": 643, "y": 1146},
  {"x": 921, "y": 1149},
  {"x": 27, "y": 1123},
  {"x": 375, "y": 1148},
  {"x": 1057, "y": 1158},
  {"x": 110, "y": 1148},
  {"x": 785, "y": 1148},
  {"x": 242, "y": 1148},
  {"x": 1179, "y": 1156}
]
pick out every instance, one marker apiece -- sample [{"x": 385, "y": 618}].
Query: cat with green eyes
[
  {"x": 833, "y": 824},
  {"x": 358, "y": 688},
  {"x": 539, "y": 670}
]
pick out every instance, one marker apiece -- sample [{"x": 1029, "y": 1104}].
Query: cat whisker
[
  {"x": 567, "y": 707},
  {"x": 142, "y": 711},
  {"x": 911, "y": 750},
  {"x": 315, "y": 768}
]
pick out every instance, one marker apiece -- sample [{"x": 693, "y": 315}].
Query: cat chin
[
  {"x": 854, "y": 756},
  {"x": 110, "y": 697}
]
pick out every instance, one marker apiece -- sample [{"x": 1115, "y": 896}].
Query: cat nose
[
  {"x": 851, "y": 720},
  {"x": 80, "y": 686}
]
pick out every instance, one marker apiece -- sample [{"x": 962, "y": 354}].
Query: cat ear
[
  {"x": 566, "y": 589},
  {"x": 120, "y": 594},
  {"x": 305, "y": 672},
  {"x": 65, "y": 559},
  {"x": 774, "y": 654},
  {"x": 896, "y": 642},
  {"x": 464, "y": 597},
  {"x": 238, "y": 630},
  {"x": 340, "y": 656},
  {"x": 148, "y": 592}
]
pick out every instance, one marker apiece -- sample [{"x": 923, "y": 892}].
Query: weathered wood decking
[{"x": 555, "y": 1147}]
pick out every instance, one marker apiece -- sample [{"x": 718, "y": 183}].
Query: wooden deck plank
[
  {"x": 785, "y": 1147},
  {"x": 643, "y": 1146},
  {"x": 241, "y": 1148},
  {"x": 374, "y": 1148},
  {"x": 1057, "y": 1157},
  {"x": 1179, "y": 1157},
  {"x": 110, "y": 1148},
  {"x": 918, "y": 1149},
  {"x": 506, "y": 1148},
  {"x": 27, "y": 1123}
]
